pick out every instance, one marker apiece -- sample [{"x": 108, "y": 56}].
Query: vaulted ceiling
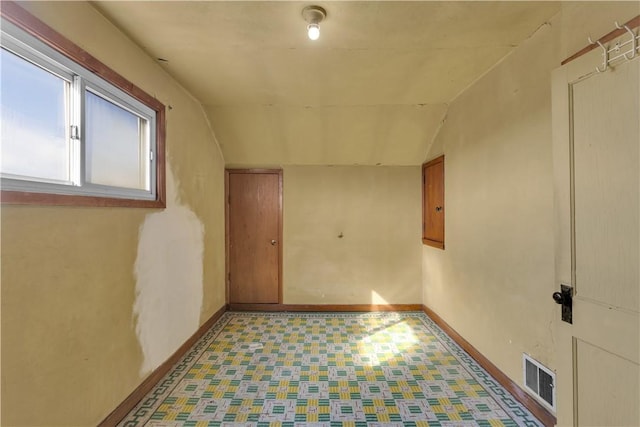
[{"x": 372, "y": 90}]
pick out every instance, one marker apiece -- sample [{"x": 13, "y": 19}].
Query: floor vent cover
[{"x": 540, "y": 381}]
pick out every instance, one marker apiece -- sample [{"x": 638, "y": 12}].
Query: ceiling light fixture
[{"x": 313, "y": 15}]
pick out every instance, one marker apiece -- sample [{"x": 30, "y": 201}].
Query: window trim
[{"x": 18, "y": 16}]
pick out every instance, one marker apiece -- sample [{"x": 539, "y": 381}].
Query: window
[
  {"x": 69, "y": 135},
  {"x": 433, "y": 203}
]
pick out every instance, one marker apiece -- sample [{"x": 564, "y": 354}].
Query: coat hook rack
[
  {"x": 634, "y": 40},
  {"x": 605, "y": 55},
  {"x": 624, "y": 49}
]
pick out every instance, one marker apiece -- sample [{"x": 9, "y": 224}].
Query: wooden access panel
[
  {"x": 254, "y": 236},
  {"x": 433, "y": 203}
]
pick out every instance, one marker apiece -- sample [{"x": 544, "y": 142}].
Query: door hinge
[
  {"x": 151, "y": 156},
  {"x": 229, "y": 277}
]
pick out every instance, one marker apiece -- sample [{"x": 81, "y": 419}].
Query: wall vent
[{"x": 539, "y": 381}]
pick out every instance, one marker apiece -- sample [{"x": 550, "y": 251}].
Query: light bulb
[{"x": 313, "y": 31}]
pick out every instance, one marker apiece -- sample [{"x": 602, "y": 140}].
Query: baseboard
[
  {"x": 145, "y": 387},
  {"x": 325, "y": 307},
  {"x": 539, "y": 411}
]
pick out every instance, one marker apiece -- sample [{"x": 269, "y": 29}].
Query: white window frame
[{"x": 36, "y": 51}]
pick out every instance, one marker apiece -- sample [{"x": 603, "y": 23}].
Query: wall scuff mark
[{"x": 169, "y": 278}]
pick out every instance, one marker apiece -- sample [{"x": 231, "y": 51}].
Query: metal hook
[
  {"x": 605, "y": 55},
  {"x": 633, "y": 41}
]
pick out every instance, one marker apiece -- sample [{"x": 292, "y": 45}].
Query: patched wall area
[
  {"x": 376, "y": 210},
  {"x": 86, "y": 291},
  {"x": 169, "y": 277}
]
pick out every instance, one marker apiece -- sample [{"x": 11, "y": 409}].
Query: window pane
[
  {"x": 116, "y": 145},
  {"x": 33, "y": 113}
]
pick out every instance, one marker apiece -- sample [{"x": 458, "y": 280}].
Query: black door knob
[{"x": 558, "y": 297}]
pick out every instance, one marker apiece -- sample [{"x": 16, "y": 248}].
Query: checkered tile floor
[{"x": 338, "y": 369}]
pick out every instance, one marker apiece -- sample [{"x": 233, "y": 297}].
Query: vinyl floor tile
[{"x": 327, "y": 369}]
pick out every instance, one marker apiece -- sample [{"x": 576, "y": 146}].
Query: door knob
[
  {"x": 273, "y": 242},
  {"x": 557, "y": 297}
]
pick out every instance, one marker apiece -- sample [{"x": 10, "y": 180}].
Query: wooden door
[
  {"x": 596, "y": 140},
  {"x": 254, "y": 230},
  {"x": 433, "y": 203}
]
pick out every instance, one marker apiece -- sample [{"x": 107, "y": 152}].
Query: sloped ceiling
[{"x": 372, "y": 90}]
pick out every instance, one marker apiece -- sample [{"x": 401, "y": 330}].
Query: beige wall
[
  {"x": 494, "y": 281},
  {"x": 377, "y": 210},
  {"x": 72, "y": 348},
  {"x": 77, "y": 283}
]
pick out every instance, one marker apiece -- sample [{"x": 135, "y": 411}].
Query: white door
[{"x": 596, "y": 147}]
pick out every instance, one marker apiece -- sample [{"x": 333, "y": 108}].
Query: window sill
[{"x": 46, "y": 199}]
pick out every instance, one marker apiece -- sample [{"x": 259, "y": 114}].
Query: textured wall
[
  {"x": 377, "y": 210},
  {"x": 494, "y": 281},
  {"x": 72, "y": 346}
]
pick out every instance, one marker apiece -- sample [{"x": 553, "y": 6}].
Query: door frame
[{"x": 227, "y": 172}]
